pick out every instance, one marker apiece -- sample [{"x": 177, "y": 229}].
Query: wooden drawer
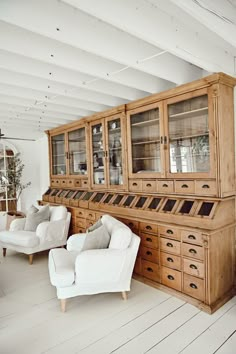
[
  {"x": 150, "y": 254},
  {"x": 165, "y": 186},
  {"x": 70, "y": 183},
  {"x": 171, "y": 278},
  {"x": 135, "y": 185},
  {"x": 149, "y": 186},
  {"x": 138, "y": 266},
  {"x": 149, "y": 240},
  {"x": 84, "y": 183},
  {"x": 90, "y": 215},
  {"x": 205, "y": 187},
  {"x": 191, "y": 236},
  {"x": 170, "y": 246},
  {"x": 193, "y": 268},
  {"x": 132, "y": 224},
  {"x": 80, "y": 213},
  {"x": 63, "y": 183},
  {"x": 151, "y": 270},
  {"x": 194, "y": 287},
  {"x": 55, "y": 182},
  {"x": 77, "y": 183},
  {"x": 170, "y": 232},
  {"x": 170, "y": 261},
  {"x": 81, "y": 222},
  {"x": 193, "y": 251},
  {"x": 89, "y": 223},
  {"x": 185, "y": 187},
  {"x": 148, "y": 227}
]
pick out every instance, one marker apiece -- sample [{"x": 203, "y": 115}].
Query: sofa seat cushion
[
  {"x": 61, "y": 265},
  {"x": 19, "y": 238}
]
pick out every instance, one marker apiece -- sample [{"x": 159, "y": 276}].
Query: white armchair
[
  {"x": 76, "y": 272},
  {"x": 49, "y": 234}
]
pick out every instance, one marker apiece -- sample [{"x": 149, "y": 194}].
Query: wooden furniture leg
[
  {"x": 63, "y": 305},
  {"x": 124, "y": 295},
  {"x": 4, "y": 251},
  {"x": 31, "y": 256}
]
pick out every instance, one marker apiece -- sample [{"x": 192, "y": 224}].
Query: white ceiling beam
[
  {"x": 152, "y": 21},
  {"x": 30, "y": 118},
  {"x": 36, "y": 68},
  {"x": 70, "y": 26},
  {"x": 21, "y": 121}
]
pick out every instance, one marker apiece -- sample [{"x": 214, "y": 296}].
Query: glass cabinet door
[
  {"x": 145, "y": 142},
  {"x": 188, "y": 128},
  {"x": 98, "y": 155},
  {"x": 77, "y": 152},
  {"x": 115, "y": 168},
  {"x": 58, "y": 154}
]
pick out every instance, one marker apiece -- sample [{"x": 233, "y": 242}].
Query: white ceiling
[{"x": 62, "y": 60}]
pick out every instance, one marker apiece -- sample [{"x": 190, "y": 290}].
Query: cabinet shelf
[
  {"x": 58, "y": 155},
  {"x": 147, "y": 142},
  {"x": 145, "y": 123},
  {"x": 146, "y": 158},
  {"x": 56, "y": 165},
  {"x": 183, "y": 137},
  {"x": 78, "y": 152},
  {"x": 115, "y": 130},
  {"x": 115, "y": 149},
  {"x": 189, "y": 114}
]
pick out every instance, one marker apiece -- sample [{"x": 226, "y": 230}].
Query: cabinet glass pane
[
  {"x": 145, "y": 139},
  {"x": 58, "y": 155},
  {"x": 189, "y": 135},
  {"x": 77, "y": 152},
  {"x": 115, "y": 152},
  {"x": 98, "y": 154}
]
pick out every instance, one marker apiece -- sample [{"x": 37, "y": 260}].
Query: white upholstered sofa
[
  {"x": 82, "y": 272},
  {"x": 48, "y": 234}
]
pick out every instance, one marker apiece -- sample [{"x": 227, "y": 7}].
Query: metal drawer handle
[
  {"x": 206, "y": 186},
  {"x": 169, "y": 244},
  {"x": 148, "y": 185},
  {"x": 148, "y": 227},
  {"x": 148, "y": 239},
  {"x": 184, "y": 186},
  {"x": 193, "y": 266},
  {"x": 193, "y": 286},
  {"x": 85, "y": 182},
  {"x": 131, "y": 224},
  {"x": 165, "y": 185},
  {"x": 192, "y": 237},
  {"x": 90, "y": 215},
  {"x": 169, "y": 259},
  {"x": 149, "y": 269},
  {"x": 135, "y": 184},
  {"x": 191, "y": 250},
  {"x": 170, "y": 277},
  {"x": 148, "y": 253},
  {"x": 170, "y": 232}
]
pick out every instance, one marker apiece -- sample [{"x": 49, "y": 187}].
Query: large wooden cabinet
[{"x": 165, "y": 166}]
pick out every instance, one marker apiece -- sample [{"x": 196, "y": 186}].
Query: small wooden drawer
[
  {"x": 150, "y": 254},
  {"x": 77, "y": 183},
  {"x": 170, "y": 246},
  {"x": 81, "y": 223},
  {"x": 205, "y": 187},
  {"x": 63, "y": 183},
  {"x": 89, "y": 223},
  {"x": 45, "y": 197},
  {"x": 193, "y": 268},
  {"x": 170, "y": 261},
  {"x": 171, "y": 278},
  {"x": 170, "y": 232},
  {"x": 165, "y": 186},
  {"x": 191, "y": 236},
  {"x": 151, "y": 270},
  {"x": 80, "y": 230},
  {"x": 84, "y": 183},
  {"x": 138, "y": 266},
  {"x": 149, "y": 240},
  {"x": 55, "y": 182},
  {"x": 185, "y": 187},
  {"x": 90, "y": 215},
  {"x": 193, "y": 251},
  {"x": 135, "y": 185},
  {"x": 132, "y": 224},
  {"x": 194, "y": 287},
  {"x": 148, "y": 227},
  {"x": 70, "y": 183},
  {"x": 149, "y": 186},
  {"x": 81, "y": 213}
]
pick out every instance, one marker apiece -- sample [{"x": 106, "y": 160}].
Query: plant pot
[{"x": 12, "y": 215}]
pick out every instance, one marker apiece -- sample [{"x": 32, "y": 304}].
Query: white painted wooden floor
[{"x": 150, "y": 321}]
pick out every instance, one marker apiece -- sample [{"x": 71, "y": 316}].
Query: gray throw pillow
[
  {"x": 33, "y": 219},
  {"x": 95, "y": 226},
  {"x": 97, "y": 239}
]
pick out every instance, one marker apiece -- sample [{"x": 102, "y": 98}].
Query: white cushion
[
  {"x": 97, "y": 239},
  {"x": 62, "y": 267},
  {"x": 19, "y": 238},
  {"x": 58, "y": 213},
  {"x": 120, "y": 238}
]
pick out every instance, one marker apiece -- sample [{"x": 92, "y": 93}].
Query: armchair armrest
[
  {"x": 51, "y": 230},
  {"x": 17, "y": 224},
  {"x": 75, "y": 242}
]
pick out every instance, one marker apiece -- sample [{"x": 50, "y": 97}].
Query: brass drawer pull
[
  {"x": 165, "y": 185},
  {"x": 170, "y": 277},
  {"x": 131, "y": 224},
  {"x": 148, "y": 253},
  {"x": 134, "y": 184},
  {"x": 170, "y": 232},
  {"x": 206, "y": 186},
  {"x": 169, "y": 244},
  {"x": 169, "y": 259},
  {"x": 85, "y": 182},
  {"x": 149, "y": 269},
  {"x": 148, "y": 239},
  {"x": 192, "y": 237},
  {"x": 192, "y": 266},
  {"x": 148, "y": 227},
  {"x": 184, "y": 186},
  {"x": 191, "y": 250},
  {"x": 193, "y": 286},
  {"x": 90, "y": 215},
  {"x": 70, "y": 181},
  {"x": 148, "y": 185}
]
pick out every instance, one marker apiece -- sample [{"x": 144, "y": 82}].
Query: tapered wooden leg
[
  {"x": 4, "y": 251},
  {"x": 31, "y": 256},
  {"x": 124, "y": 295},
  {"x": 63, "y": 305}
]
